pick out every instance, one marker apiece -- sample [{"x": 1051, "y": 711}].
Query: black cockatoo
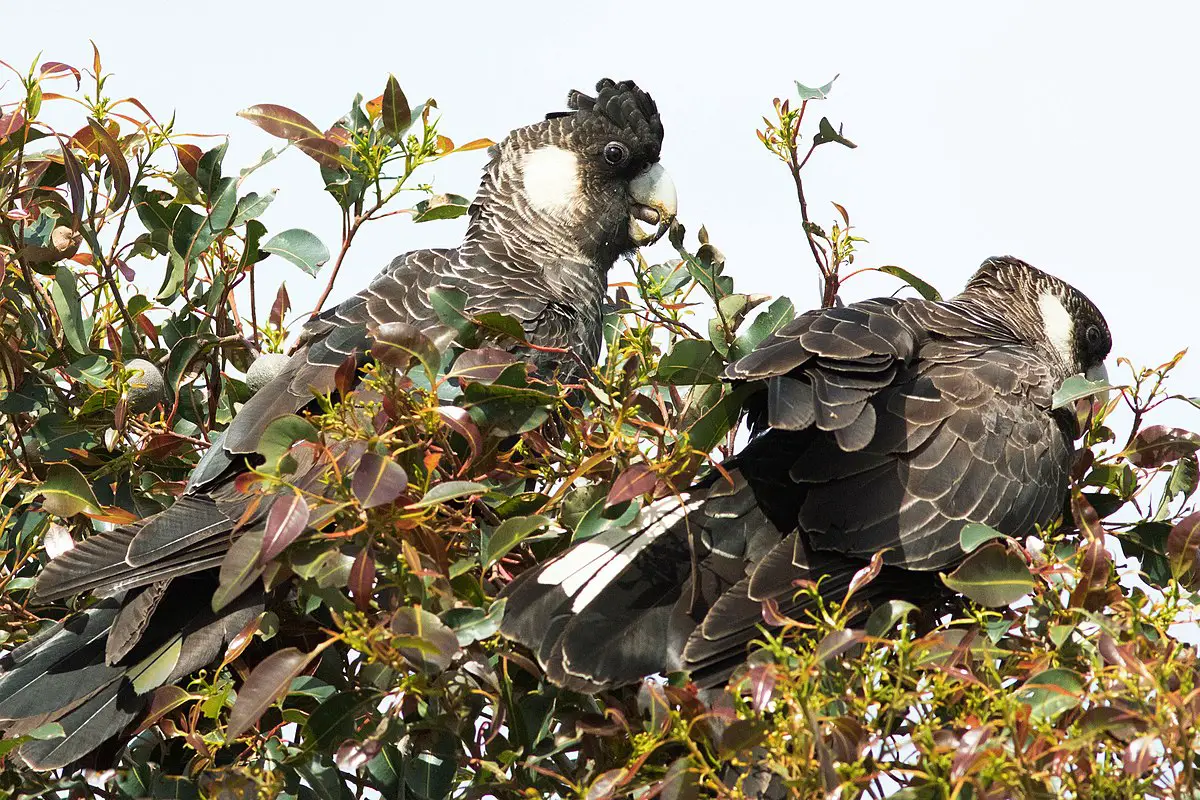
[
  {"x": 560, "y": 201},
  {"x": 881, "y": 427}
]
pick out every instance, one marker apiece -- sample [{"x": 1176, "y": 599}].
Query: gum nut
[
  {"x": 146, "y": 385},
  {"x": 264, "y": 369}
]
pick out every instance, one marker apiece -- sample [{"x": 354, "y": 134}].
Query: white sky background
[{"x": 1063, "y": 134}]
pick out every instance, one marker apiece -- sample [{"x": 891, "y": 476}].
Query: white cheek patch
[
  {"x": 551, "y": 177},
  {"x": 1058, "y": 324}
]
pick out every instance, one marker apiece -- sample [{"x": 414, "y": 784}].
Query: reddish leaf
[
  {"x": 1141, "y": 755},
  {"x": 280, "y": 121},
  {"x": 378, "y": 480},
  {"x": 476, "y": 144},
  {"x": 459, "y": 421},
  {"x": 652, "y": 701},
  {"x": 266, "y": 684},
  {"x": 118, "y": 169},
  {"x": 394, "y": 113},
  {"x": 346, "y": 375},
  {"x": 53, "y": 69},
  {"x": 11, "y": 123},
  {"x": 1183, "y": 550},
  {"x": 321, "y": 150},
  {"x": 287, "y": 519},
  {"x": 482, "y": 364},
  {"x": 1094, "y": 567},
  {"x": 847, "y": 739},
  {"x": 362, "y": 578},
  {"x": 1158, "y": 445},
  {"x": 397, "y": 343},
  {"x": 163, "y": 701},
  {"x": 241, "y": 640},
  {"x": 339, "y": 135},
  {"x": 1086, "y": 518},
  {"x": 189, "y": 157},
  {"x": 148, "y": 327},
  {"x": 280, "y": 307},
  {"x": 836, "y": 643},
  {"x": 773, "y": 617},
  {"x": 633, "y": 482},
  {"x": 760, "y": 680},
  {"x": 607, "y": 784},
  {"x": 865, "y": 575},
  {"x": 74, "y": 184},
  {"x": 968, "y": 751}
]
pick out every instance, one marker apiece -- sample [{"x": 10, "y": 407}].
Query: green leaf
[
  {"x": 280, "y": 435},
  {"x": 974, "y": 534},
  {"x": 208, "y": 171},
  {"x": 441, "y": 206},
  {"x": 333, "y": 721},
  {"x": 474, "y": 624},
  {"x": 251, "y": 207},
  {"x": 827, "y": 133},
  {"x": 924, "y": 289},
  {"x": 994, "y": 575},
  {"x": 778, "y": 314},
  {"x": 1051, "y": 692},
  {"x": 884, "y": 617},
  {"x": 691, "y": 361},
  {"x": 715, "y": 424},
  {"x": 424, "y": 640},
  {"x": 450, "y": 490},
  {"x": 77, "y": 326},
  {"x": 154, "y": 670},
  {"x": 239, "y": 569},
  {"x": 495, "y": 325},
  {"x": 508, "y": 535},
  {"x": 224, "y": 204},
  {"x": 450, "y": 305},
  {"x": 300, "y": 247},
  {"x": 1075, "y": 388},
  {"x": 51, "y": 730},
  {"x": 432, "y": 764},
  {"x": 820, "y": 93},
  {"x": 65, "y": 492}
]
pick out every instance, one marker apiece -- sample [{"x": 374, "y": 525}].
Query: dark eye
[
  {"x": 1092, "y": 335},
  {"x": 615, "y": 153}
]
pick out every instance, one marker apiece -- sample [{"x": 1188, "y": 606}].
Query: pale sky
[{"x": 1064, "y": 134}]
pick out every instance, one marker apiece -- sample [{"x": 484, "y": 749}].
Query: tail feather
[
  {"x": 90, "y": 560},
  {"x": 59, "y": 666},
  {"x": 67, "y": 674},
  {"x": 131, "y": 621},
  {"x": 682, "y": 588},
  {"x": 102, "y": 716},
  {"x": 190, "y": 521}
]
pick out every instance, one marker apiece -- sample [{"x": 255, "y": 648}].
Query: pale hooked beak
[
  {"x": 1099, "y": 373},
  {"x": 654, "y": 204}
]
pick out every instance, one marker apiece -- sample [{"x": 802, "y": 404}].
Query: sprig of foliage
[{"x": 410, "y": 501}]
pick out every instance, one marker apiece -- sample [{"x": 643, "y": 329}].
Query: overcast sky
[{"x": 1065, "y": 134}]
